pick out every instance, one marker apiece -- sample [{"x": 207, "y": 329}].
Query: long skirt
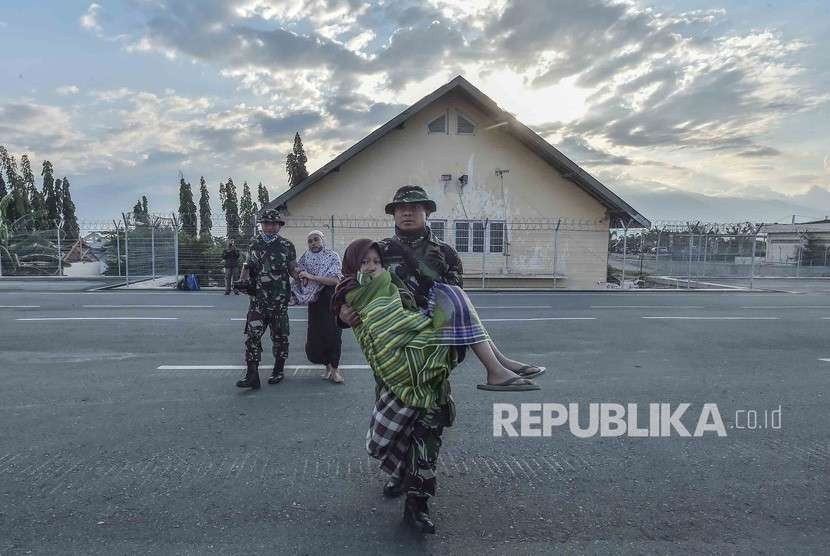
[{"x": 324, "y": 341}]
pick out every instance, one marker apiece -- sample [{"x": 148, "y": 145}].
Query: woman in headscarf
[{"x": 320, "y": 271}]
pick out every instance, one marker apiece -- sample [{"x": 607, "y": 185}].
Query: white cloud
[
  {"x": 3, "y": 24},
  {"x": 66, "y": 90},
  {"x": 90, "y": 19}
]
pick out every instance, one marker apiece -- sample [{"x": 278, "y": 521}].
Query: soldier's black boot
[
  {"x": 393, "y": 488},
  {"x": 277, "y": 374},
  {"x": 251, "y": 379},
  {"x": 416, "y": 514}
]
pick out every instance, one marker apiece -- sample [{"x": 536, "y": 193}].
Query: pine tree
[
  {"x": 9, "y": 164},
  {"x": 144, "y": 208},
  {"x": 70, "y": 222},
  {"x": 246, "y": 211},
  {"x": 205, "y": 222},
  {"x": 3, "y": 190},
  {"x": 58, "y": 203},
  {"x": 187, "y": 208},
  {"x": 49, "y": 195},
  {"x": 231, "y": 208},
  {"x": 262, "y": 195},
  {"x": 295, "y": 162}
]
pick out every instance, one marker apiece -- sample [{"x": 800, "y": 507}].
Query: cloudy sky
[{"x": 679, "y": 100}]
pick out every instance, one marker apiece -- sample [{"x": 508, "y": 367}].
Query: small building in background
[
  {"x": 805, "y": 243},
  {"x": 518, "y": 211}
]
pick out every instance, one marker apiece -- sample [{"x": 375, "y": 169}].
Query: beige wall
[{"x": 532, "y": 190}]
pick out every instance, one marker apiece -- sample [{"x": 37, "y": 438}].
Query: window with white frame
[
  {"x": 438, "y": 125},
  {"x": 462, "y": 237},
  {"x": 497, "y": 237},
  {"x": 438, "y": 228},
  {"x": 464, "y": 125},
  {"x": 478, "y": 237},
  {"x": 471, "y": 236}
]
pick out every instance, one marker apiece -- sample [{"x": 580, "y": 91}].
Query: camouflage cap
[
  {"x": 411, "y": 194},
  {"x": 271, "y": 215}
]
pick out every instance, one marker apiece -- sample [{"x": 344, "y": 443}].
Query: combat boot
[
  {"x": 416, "y": 514},
  {"x": 251, "y": 379},
  {"x": 277, "y": 374},
  {"x": 393, "y": 488}
]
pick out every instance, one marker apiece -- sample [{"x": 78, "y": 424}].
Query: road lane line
[
  {"x": 789, "y": 307},
  {"x": 241, "y": 367},
  {"x": 646, "y": 307},
  {"x": 98, "y": 318},
  {"x": 538, "y": 319},
  {"x": 514, "y": 306},
  {"x": 709, "y": 318},
  {"x": 292, "y": 320},
  {"x": 148, "y": 306},
  {"x": 826, "y": 359},
  {"x": 19, "y": 306}
]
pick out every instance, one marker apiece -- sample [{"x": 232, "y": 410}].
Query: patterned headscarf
[{"x": 325, "y": 263}]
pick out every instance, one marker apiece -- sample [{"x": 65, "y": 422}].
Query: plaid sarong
[
  {"x": 454, "y": 317},
  {"x": 390, "y": 432}
]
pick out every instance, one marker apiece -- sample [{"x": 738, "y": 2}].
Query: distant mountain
[{"x": 673, "y": 204}]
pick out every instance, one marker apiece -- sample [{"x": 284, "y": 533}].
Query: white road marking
[
  {"x": 100, "y": 318},
  {"x": 514, "y": 306},
  {"x": 148, "y": 306},
  {"x": 538, "y": 319},
  {"x": 712, "y": 318},
  {"x": 292, "y": 320},
  {"x": 790, "y": 307},
  {"x": 240, "y": 367},
  {"x": 825, "y": 359},
  {"x": 646, "y": 307},
  {"x": 19, "y": 306}
]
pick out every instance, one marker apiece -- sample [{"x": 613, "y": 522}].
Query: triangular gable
[{"x": 619, "y": 209}]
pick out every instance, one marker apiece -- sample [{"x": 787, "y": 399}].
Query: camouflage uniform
[
  {"x": 269, "y": 266},
  {"x": 419, "y": 260}
]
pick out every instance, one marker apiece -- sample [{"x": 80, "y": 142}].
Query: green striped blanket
[{"x": 400, "y": 345}]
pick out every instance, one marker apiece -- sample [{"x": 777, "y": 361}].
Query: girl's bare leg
[
  {"x": 496, "y": 372},
  {"x": 327, "y": 373},
  {"x": 511, "y": 364},
  {"x": 336, "y": 377}
]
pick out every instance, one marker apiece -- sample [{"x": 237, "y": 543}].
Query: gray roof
[{"x": 618, "y": 208}]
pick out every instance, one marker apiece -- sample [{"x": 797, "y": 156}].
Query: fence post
[
  {"x": 332, "y": 233},
  {"x": 625, "y": 248},
  {"x": 556, "y": 249},
  {"x": 153, "y": 249},
  {"x": 60, "y": 255},
  {"x": 689, "y": 276},
  {"x": 126, "y": 248},
  {"x": 176, "y": 251},
  {"x": 483, "y": 248},
  {"x": 752, "y": 264},
  {"x": 118, "y": 249}
]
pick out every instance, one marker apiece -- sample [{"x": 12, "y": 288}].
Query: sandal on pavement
[{"x": 517, "y": 383}]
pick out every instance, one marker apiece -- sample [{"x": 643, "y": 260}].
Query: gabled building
[{"x": 517, "y": 210}]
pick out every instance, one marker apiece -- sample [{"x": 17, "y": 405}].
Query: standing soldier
[{"x": 270, "y": 260}]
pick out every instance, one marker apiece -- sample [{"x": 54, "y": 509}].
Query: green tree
[
  {"x": 3, "y": 190},
  {"x": 16, "y": 208},
  {"x": 295, "y": 162},
  {"x": 262, "y": 194},
  {"x": 49, "y": 195},
  {"x": 140, "y": 211},
  {"x": 58, "y": 202},
  {"x": 231, "y": 208},
  {"x": 187, "y": 208},
  {"x": 70, "y": 222},
  {"x": 246, "y": 209},
  {"x": 205, "y": 222}
]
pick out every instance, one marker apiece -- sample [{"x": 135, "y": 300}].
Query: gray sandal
[
  {"x": 517, "y": 383},
  {"x": 525, "y": 372}
]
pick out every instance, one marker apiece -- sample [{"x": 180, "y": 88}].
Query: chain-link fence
[
  {"x": 693, "y": 254},
  {"x": 559, "y": 252}
]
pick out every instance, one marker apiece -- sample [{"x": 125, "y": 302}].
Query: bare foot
[
  {"x": 336, "y": 377},
  {"x": 326, "y": 374}
]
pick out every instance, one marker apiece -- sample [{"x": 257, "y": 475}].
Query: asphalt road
[{"x": 108, "y": 446}]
